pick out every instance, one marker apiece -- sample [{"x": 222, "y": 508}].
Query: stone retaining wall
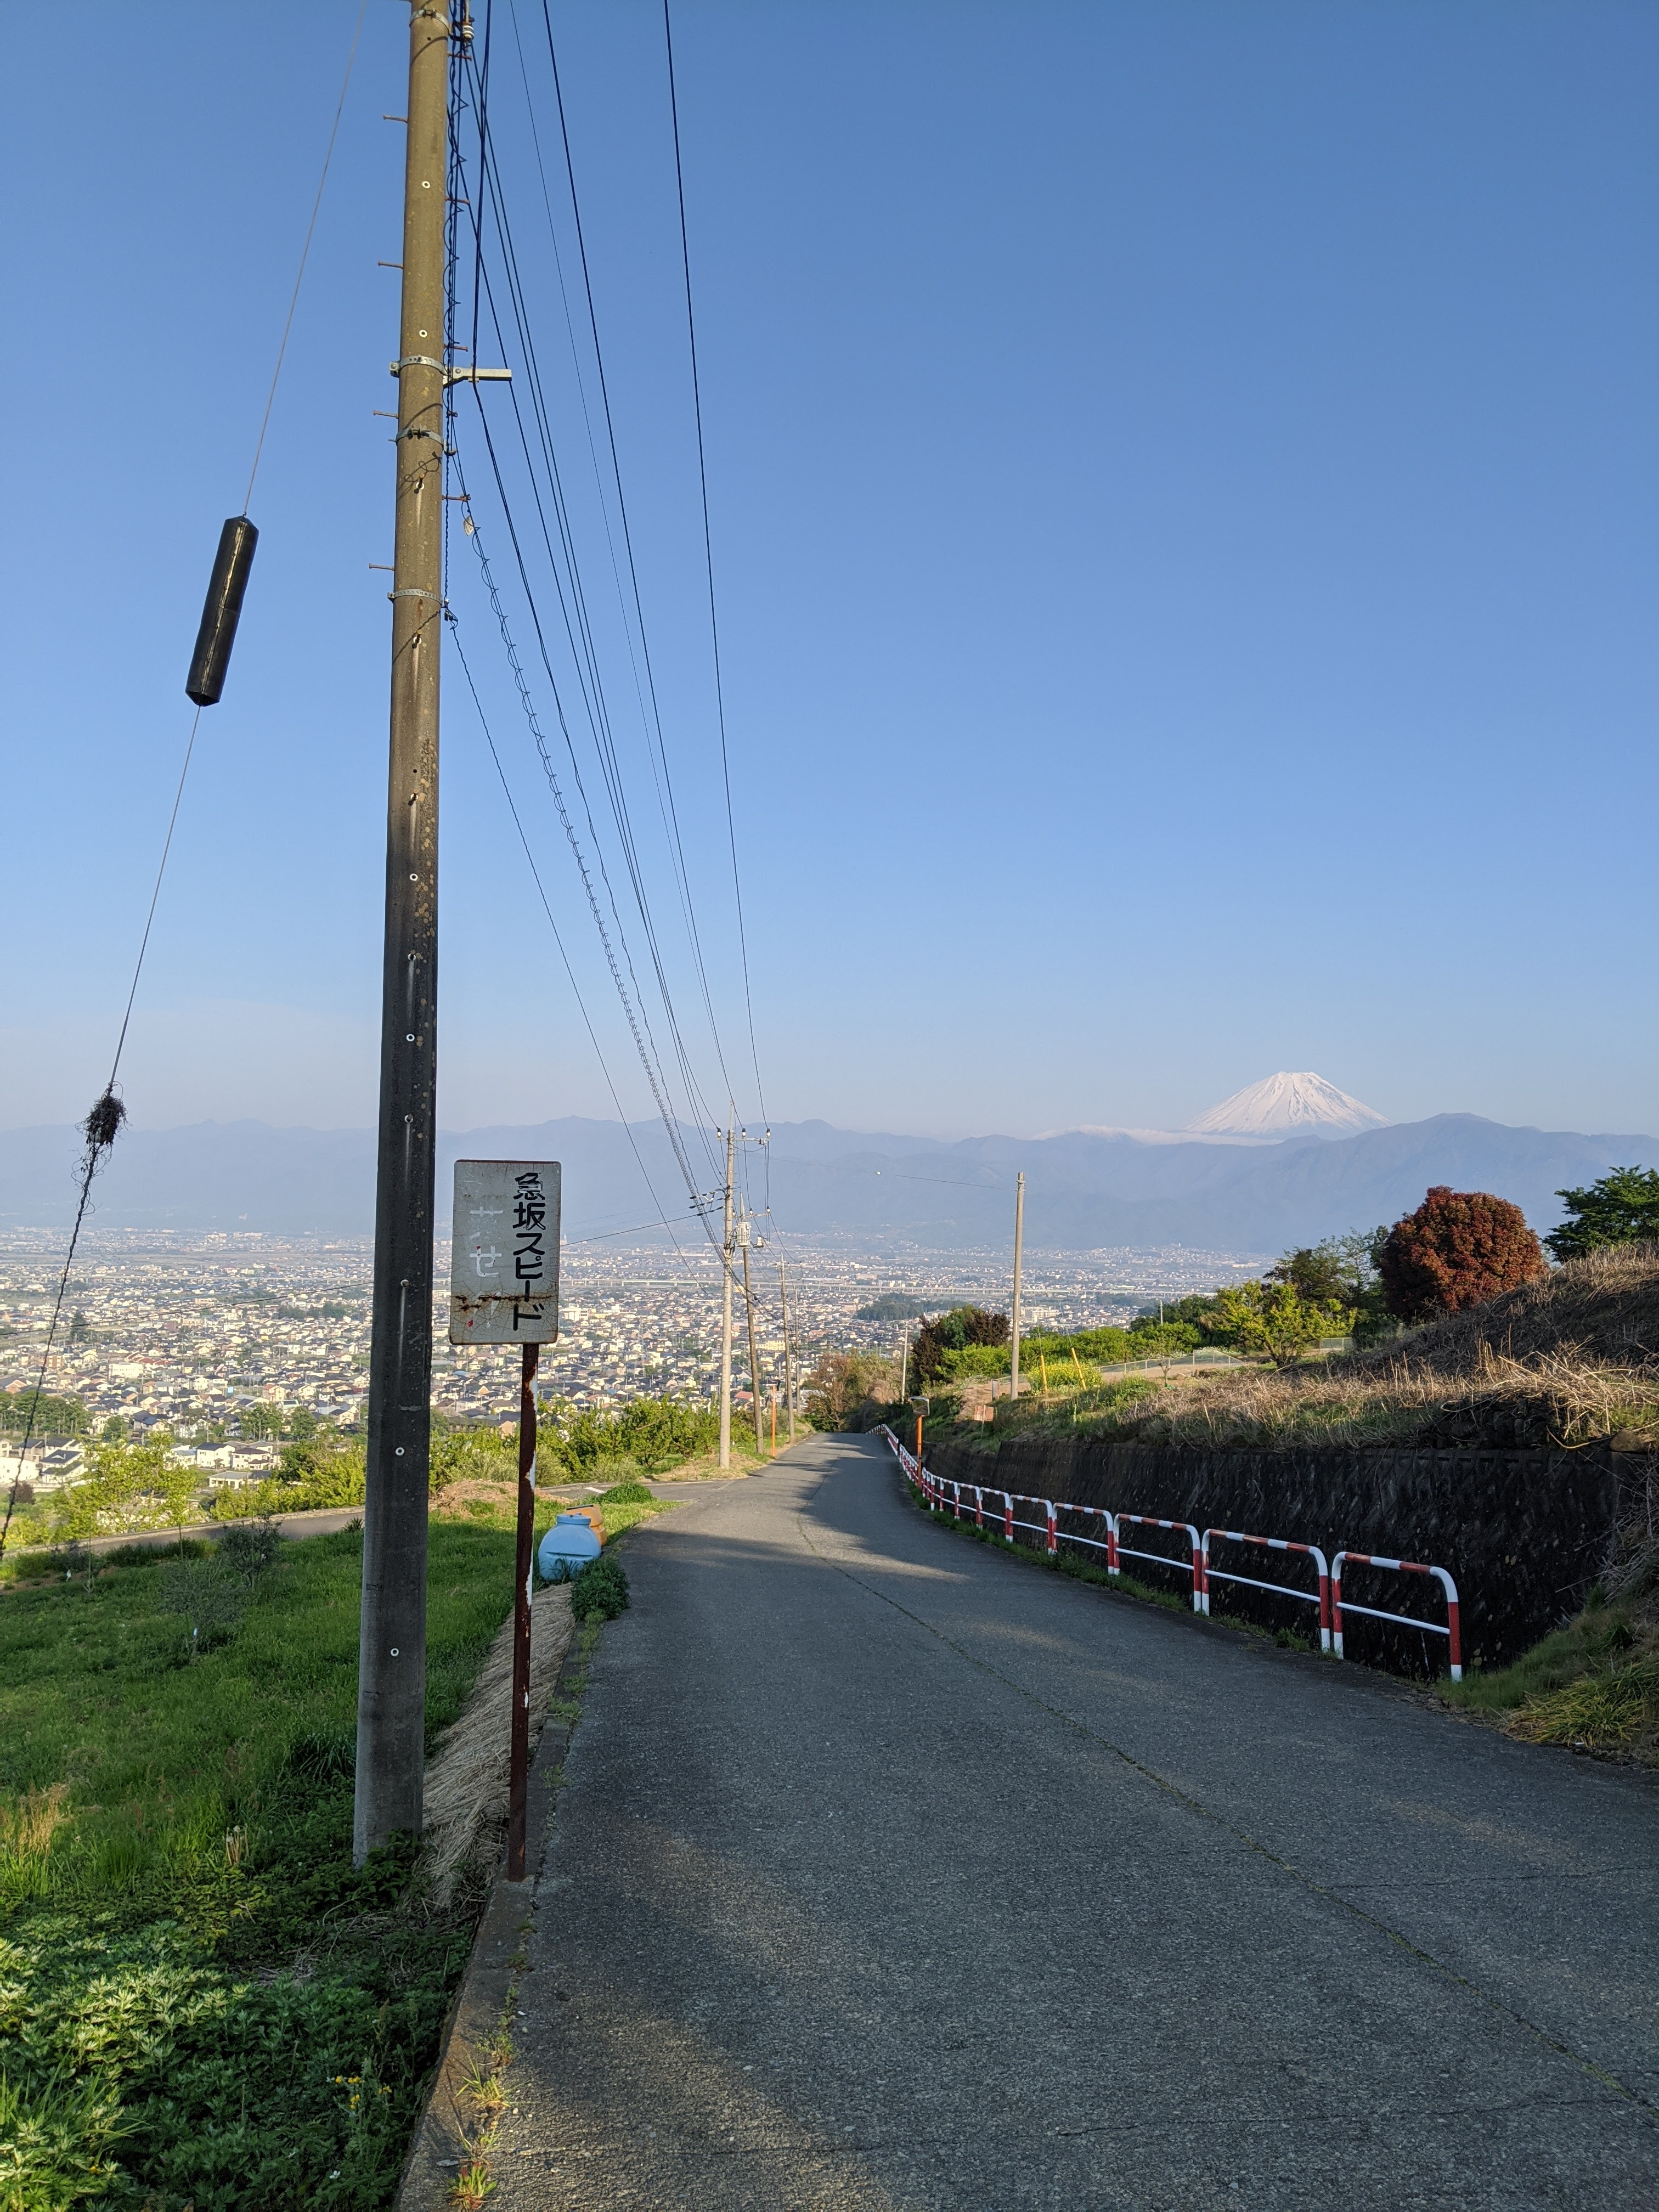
[{"x": 1524, "y": 1533}]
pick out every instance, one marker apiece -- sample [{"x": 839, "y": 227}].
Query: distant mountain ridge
[{"x": 1084, "y": 1189}]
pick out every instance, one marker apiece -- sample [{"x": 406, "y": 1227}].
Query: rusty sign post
[{"x": 504, "y": 1289}]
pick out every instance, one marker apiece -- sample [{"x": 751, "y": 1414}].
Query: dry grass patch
[{"x": 1565, "y": 1361}]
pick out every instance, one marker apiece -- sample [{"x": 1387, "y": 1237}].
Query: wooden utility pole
[
  {"x": 788, "y": 1356},
  {"x": 1019, "y": 1239},
  {"x": 391, "y": 1678},
  {"x": 726, "y": 1307},
  {"x": 754, "y": 1353}
]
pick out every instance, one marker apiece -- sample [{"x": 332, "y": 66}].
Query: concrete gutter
[{"x": 485, "y": 2003}]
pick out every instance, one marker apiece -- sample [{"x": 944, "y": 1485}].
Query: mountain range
[{"x": 1086, "y": 1189}]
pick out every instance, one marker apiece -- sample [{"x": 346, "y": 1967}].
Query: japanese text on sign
[{"x": 504, "y": 1262}]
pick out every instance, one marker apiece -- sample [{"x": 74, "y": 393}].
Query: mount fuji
[{"x": 1285, "y": 1105}]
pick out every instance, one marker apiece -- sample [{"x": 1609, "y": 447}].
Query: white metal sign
[{"x": 504, "y": 1259}]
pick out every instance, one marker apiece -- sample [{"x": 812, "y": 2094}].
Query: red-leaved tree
[{"x": 1459, "y": 1248}]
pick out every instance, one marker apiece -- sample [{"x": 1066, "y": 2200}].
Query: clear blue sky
[{"x": 1182, "y": 482}]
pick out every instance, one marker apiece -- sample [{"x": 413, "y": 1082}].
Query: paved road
[{"x": 891, "y": 1872}]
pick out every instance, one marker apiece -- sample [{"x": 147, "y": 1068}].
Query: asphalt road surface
[{"x": 890, "y": 1872}]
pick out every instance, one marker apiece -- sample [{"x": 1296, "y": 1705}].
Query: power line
[
  {"x": 708, "y": 555},
  {"x": 103, "y": 1123},
  {"x": 305, "y": 255},
  {"x": 507, "y": 789},
  {"x": 579, "y": 631}
]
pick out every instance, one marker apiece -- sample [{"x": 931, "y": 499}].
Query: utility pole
[
  {"x": 754, "y": 1354},
  {"x": 1019, "y": 1240},
  {"x": 725, "y": 1308},
  {"x": 392, "y": 1676},
  {"x": 788, "y": 1356}
]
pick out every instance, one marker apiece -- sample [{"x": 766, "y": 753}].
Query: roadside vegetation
[
  {"x": 131, "y": 1486},
  {"x": 202, "y": 2004}
]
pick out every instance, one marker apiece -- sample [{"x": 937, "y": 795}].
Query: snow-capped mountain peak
[{"x": 1284, "y": 1104}]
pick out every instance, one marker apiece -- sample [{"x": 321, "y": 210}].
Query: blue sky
[{"x": 1182, "y": 490}]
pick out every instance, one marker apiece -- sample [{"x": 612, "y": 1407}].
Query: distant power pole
[
  {"x": 788, "y": 1356},
  {"x": 1019, "y": 1241},
  {"x": 726, "y": 1307},
  {"x": 392, "y": 1677},
  {"x": 754, "y": 1351}
]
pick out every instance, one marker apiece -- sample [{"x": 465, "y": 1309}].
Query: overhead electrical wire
[
  {"x": 653, "y": 719},
  {"x": 491, "y": 215},
  {"x": 102, "y": 1125},
  {"x": 708, "y": 553},
  {"x": 500, "y": 309}
]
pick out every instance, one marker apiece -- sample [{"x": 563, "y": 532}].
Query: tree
[
  {"x": 302, "y": 1424},
  {"x": 953, "y": 1332},
  {"x": 1274, "y": 1319},
  {"x": 259, "y": 1420},
  {"x": 1342, "y": 1270},
  {"x": 1163, "y": 1339},
  {"x": 1623, "y": 1208},
  {"x": 80, "y": 1328},
  {"x": 842, "y": 1382},
  {"x": 1459, "y": 1248}
]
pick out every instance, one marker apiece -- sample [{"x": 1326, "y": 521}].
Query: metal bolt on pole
[{"x": 392, "y": 1676}]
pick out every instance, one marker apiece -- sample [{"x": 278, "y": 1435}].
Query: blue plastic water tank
[{"x": 567, "y": 1544}]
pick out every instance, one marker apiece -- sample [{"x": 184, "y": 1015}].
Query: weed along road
[{"x": 891, "y": 1872}]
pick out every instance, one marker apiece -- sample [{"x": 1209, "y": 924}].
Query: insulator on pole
[{"x": 211, "y": 661}]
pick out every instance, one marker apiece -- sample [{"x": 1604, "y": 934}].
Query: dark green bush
[
  {"x": 630, "y": 1492},
  {"x": 600, "y": 1587}
]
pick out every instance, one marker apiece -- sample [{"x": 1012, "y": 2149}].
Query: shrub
[
  {"x": 248, "y": 1550},
  {"x": 1459, "y": 1249},
  {"x": 599, "y": 1586},
  {"x": 631, "y": 1492},
  {"x": 974, "y": 1359},
  {"x": 205, "y": 1597},
  {"x": 954, "y": 1332},
  {"x": 659, "y": 1432}
]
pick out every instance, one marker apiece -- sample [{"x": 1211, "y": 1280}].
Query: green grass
[
  {"x": 1593, "y": 1684},
  {"x": 201, "y": 2003}
]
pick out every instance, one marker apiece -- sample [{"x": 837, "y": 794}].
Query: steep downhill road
[{"x": 890, "y": 1873}]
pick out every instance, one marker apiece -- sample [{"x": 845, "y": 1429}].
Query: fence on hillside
[{"x": 1101, "y": 1530}]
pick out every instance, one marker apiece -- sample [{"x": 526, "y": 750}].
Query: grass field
[{"x": 201, "y": 2005}]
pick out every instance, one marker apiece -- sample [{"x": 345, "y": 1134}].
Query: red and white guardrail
[
  {"x": 1450, "y": 1632},
  {"x": 944, "y": 1493}
]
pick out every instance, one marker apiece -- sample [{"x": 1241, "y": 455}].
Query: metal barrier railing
[
  {"x": 1328, "y": 1601},
  {"x": 1450, "y": 1632},
  {"x": 1322, "y": 1597},
  {"x": 1194, "y": 1567}
]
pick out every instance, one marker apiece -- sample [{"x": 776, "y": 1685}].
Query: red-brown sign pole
[{"x": 518, "y": 1808}]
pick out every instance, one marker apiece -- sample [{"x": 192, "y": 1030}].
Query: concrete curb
[{"x": 483, "y": 2003}]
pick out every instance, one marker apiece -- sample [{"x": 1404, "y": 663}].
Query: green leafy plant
[
  {"x": 1275, "y": 1319},
  {"x": 600, "y": 1587},
  {"x": 1623, "y": 1208}
]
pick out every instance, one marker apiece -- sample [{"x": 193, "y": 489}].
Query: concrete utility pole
[
  {"x": 754, "y": 1354},
  {"x": 726, "y": 1307},
  {"x": 788, "y": 1356},
  {"x": 392, "y": 1679},
  {"x": 1019, "y": 1241}
]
